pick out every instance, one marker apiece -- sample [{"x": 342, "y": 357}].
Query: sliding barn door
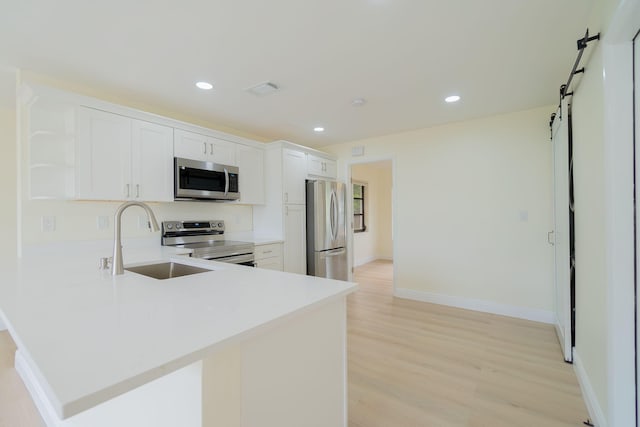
[
  {"x": 636, "y": 149},
  {"x": 561, "y": 234}
]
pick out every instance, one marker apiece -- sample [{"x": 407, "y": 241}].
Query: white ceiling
[{"x": 402, "y": 56}]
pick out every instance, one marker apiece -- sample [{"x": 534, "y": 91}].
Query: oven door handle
[{"x": 237, "y": 259}]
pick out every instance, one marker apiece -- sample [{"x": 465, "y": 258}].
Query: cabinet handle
[
  {"x": 549, "y": 234},
  {"x": 286, "y": 197},
  {"x": 137, "y": 190},
  {"x": 205, "y": 147},
  {"x": 267, "y": 252},
  {"x": 286, "y": 210},
  {"x": 128, "y": 191},
  {"x": 211, "y": 147}
]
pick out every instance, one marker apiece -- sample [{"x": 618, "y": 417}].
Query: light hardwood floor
[
  {"x": 16, "y": 407},
  {"x": 418, "y": 364}
]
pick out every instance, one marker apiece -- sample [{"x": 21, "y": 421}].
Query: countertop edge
[{"x": 89, "y": 401}]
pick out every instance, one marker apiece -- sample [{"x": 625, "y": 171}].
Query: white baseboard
[
  {"x": 589, "y": 395},
  {"x": 535, "y": 314},
  {"x": 363, "y": 261},
  {"x": 367, "y": 260}
]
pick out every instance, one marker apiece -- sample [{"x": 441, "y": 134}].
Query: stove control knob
[
  {"x": 220, "y": 225},
  {"x": 169, "y": 226},
  {"x": 178, "y": 226}
]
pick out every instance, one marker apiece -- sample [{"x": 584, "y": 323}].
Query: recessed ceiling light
[
  {"x": 452, "y": 98},
  {"x": 318, "y": 129},
  {"x": 358, "y": 102},
  {"x": 204, "y": 85}
]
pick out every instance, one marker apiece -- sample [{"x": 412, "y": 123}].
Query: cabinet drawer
[
  {"x": 268, "y": 251},
  {"x": 270, "y": 263}
]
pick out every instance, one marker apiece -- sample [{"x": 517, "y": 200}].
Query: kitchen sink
[{"x": 166, "y": 270}]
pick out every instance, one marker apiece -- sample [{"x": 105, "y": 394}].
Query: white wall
[
  {"x": 375, "y": 242},
  {"x": 472, "y": 210},
  {"x": 8, "y": 173}
]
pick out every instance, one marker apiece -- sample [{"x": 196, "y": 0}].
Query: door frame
[
  {"x": 350, "y": 235},
  {"x": 617, "y": 50}
]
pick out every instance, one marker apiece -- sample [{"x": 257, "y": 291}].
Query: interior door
[{"x": 562, "y": 255}]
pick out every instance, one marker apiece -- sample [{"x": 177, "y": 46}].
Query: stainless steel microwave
[{"x": 195, "y": 179}]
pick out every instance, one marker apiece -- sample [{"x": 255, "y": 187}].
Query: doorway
[{"x": 371, "y": 210}]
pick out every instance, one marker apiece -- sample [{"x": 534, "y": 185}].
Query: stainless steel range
[{"x": 206, "y": 239}]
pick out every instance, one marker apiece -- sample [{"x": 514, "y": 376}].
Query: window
[{"x": 359, "y": 191}]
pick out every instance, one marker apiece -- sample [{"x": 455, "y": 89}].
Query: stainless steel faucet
[{"x": 117, "y": 266}]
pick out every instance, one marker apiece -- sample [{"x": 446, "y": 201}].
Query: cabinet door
[
  {"x": 151, "y": 162},
  {"x": 104, "y": 165},
  {"x": 251, "y": 164},
  {"x": 330, "y": 169},
  {"x": 295, "y": 250},
  {"x": 189, "y": 145},
  {"x": 319, "y": 166},
  {"x": 222, "y": 152},
  {"x": 315, "y": 165},
  {"x": 294, "y": 173}
]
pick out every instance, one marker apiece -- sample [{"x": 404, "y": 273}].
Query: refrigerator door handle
[
  {"x": 334, "y": 216},
  {"x": 333, "y": 252}
]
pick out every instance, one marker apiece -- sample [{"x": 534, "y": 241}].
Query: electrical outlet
[
  {"x": 48, "y": 223},
  {"x": 103, "y": 222},
  {"x": 523, "y": 215}
]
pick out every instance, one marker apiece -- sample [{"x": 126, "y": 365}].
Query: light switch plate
[{"x": 48, "y": 223}]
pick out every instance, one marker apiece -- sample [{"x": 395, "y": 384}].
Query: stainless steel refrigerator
[{"x": 326, "y": 230}]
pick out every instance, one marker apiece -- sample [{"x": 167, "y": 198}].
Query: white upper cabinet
[
  {"x": 151, "y": 161},
  {"x": 294, "y": 175},
  {"x": 104, "y": 160},
  {"x": 321, "y": 167},
  {"x": 190, "y": 145},
  {"x": 251, "y": 165},
  {"x": 84, "y": 148},
  {"x": 120, "y": 158}
]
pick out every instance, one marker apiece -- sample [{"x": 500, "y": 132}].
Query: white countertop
[
  {"x": 253, "y": 237},
  {"x": 89, "y": 336}
]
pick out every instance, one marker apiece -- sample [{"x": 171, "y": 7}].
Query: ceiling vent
[{"x": 263, "y": 89}]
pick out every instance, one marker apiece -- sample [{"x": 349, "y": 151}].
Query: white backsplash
[{"x": 78, "y": 220}]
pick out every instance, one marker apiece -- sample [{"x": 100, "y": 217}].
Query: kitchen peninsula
[{"x": 234, "y": 346}]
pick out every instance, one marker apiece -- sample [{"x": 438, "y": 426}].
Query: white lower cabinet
[
  {"x": 295, "y": 250},
  {"x": 269, "y": 256}
]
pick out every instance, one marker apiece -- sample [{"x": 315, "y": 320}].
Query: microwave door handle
[{"x": 226, "y": 181}]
